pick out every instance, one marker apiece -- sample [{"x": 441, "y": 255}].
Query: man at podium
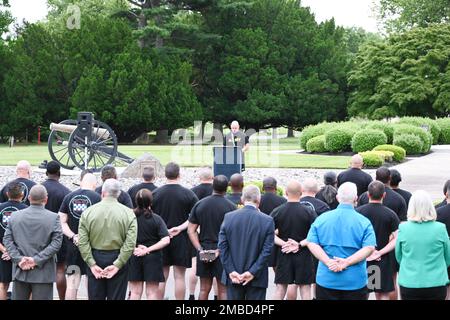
[{"x": 237, "y": 138}]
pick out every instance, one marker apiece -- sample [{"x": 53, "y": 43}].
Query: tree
[
  {"x": 138, "y": 93},
  {"x": 408, "y": 74},
  {"x": 399, "y": 15},
  {"x": 5, "y": 60},
  {"x": 271, "y": 52}
]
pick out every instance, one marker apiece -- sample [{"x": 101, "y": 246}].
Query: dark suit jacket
[{"x": 246, "y": 239}]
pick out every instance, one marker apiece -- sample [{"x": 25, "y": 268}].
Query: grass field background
[{"x": 267, "y": 154}]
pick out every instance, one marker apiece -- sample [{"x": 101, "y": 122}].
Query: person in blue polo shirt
[{"x": 341, "y": 240}]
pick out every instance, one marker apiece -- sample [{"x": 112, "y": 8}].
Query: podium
[{"x": 227, "y": 161}]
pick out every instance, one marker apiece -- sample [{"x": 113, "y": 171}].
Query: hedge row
[{"x": 414, "y": 134}]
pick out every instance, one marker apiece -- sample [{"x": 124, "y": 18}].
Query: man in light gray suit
[{"x": 32, "y": 238}]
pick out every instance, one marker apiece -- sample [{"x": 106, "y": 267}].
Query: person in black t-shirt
[
  {"x": 23, "y": 172},
  {"x": 237, "y": 185},
  {"x": 294, "y": 264},
  {"x": 385, "y": 224},
  {"x": 310, "y": 189},
  {"x": 15, "y": 196},
  {"x": 443, "y": 215},
  {"x": 396, "y": 203},
  {"x": 208, "y": 214},
  {"x": 329, "y": 191},
  {"x": 396, "y": 178},
  {"x": 270, "y": 200},
  {"x": 109, "y": 172},
  {"x": 148, "y": 175},
  {"x": 444, "y": 202},
  {"x": 72, "y": 207},
  {"x": 392, "y": 200},
  {"x": 355, "y": 175},
  {"x": 56, "y": 193},
  {"x": 205, "y": 188},
  {"x": 146, "y": 264},
  {"x": 174, "y": 203}
]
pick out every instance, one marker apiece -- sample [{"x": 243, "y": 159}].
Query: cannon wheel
[
  {"x": 100, "y": 150},
  {"x": 58, "y": 146}
]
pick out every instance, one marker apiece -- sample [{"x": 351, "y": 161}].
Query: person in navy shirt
[{"x": 342, "y": 271}]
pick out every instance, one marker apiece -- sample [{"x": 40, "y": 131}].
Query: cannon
[{"x": 84, "y": 143}]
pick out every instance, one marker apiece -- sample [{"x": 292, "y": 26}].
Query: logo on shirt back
[
  {"x": 25, "y": 191},
  {"x": 308, "y": 204},
  {"x": 5, "y": 215},
  {"x": 78, "y": 205}
]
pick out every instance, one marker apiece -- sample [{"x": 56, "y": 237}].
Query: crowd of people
[{"x": 351, "y": 237}]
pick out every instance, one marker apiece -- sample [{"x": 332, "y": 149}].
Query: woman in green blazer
[{"x": 423, "y": 252}]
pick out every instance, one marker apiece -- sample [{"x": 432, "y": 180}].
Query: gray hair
[
  {"x": 111, "y": 188},
  {"x": 347, "y": 193},
  {"x": 421, "y": 208},
  {"x": 38, "y": 194},
  {"x": 310, "y": 185},
  {"x": 251, "y": 193},
  {"x": 206, "y": 174}
]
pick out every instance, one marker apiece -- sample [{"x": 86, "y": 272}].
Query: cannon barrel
[{"x": 67, "y": 128}]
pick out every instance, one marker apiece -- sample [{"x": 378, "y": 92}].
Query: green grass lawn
[{"x": 261, "y": 156}]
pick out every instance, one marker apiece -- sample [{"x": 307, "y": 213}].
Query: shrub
[
  {"x": 424, "y": 136},
  {"x": 372, "y": 159},
  {"x": 387, "y": 156},
  {"x": 367, "y": 140},
  {"x": 338, "y": 140},
  {"x": 386, "y": 127},
  {"x": 411, "y": 143},
  {"x": 444, "y": 125},
  {"x": 259, "y": 184},
  {"x": 310, "y": 132},
  {"x": 316, "y": 144},
  {"x": 399, "y": 152},
  {"x": 434, "y": 128}
]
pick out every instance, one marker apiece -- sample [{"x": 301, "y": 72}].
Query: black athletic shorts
[
  {"x": 74, "y": 259},
  {"x": 5, "y": 271},
  {"x": 62, "y": 253},
  {"x": 381, "y": 275},
  {"x": 209, "y": 269},
  {"x": 294, "y": 268},
  {"x": 148, "y": 268},
  {"x": 434, "y": 293},
  {"x": 178, "y": 252}
]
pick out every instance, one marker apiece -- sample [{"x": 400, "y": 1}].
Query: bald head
[
  {"x": 206, "y": 175},
  {"x": 294, "y": 191},
  {"x": 38, "y": 195},
  {"x": 23, "y": 169},
  {"x": 89, "y": 182},
  {"x": 357, "y": 162},
  {"x": 310, "y": 187},
  {"x": 237, "y": 183}
]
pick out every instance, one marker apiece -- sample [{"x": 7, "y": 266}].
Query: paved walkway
[{"x": 427, "y": 173}]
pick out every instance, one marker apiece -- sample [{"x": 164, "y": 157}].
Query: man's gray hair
[
  {"x": 111, "y": 188},
  {"x": 347, "y": 193},
  {"x": 206, "y": 174},
  {"x": 38, "y": 194},
  {"x": 251, "y": 193}
]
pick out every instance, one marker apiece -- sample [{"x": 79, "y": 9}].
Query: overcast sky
[{"x": 346, "y": 12}]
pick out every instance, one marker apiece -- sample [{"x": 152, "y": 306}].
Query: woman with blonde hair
[{"x": 423, "y": 252}]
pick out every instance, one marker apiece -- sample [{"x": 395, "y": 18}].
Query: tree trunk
[
  {"x": 290, "y": 133},
  {"x": 219, "y": 127},
  {"x": 162, "y": 136}
]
